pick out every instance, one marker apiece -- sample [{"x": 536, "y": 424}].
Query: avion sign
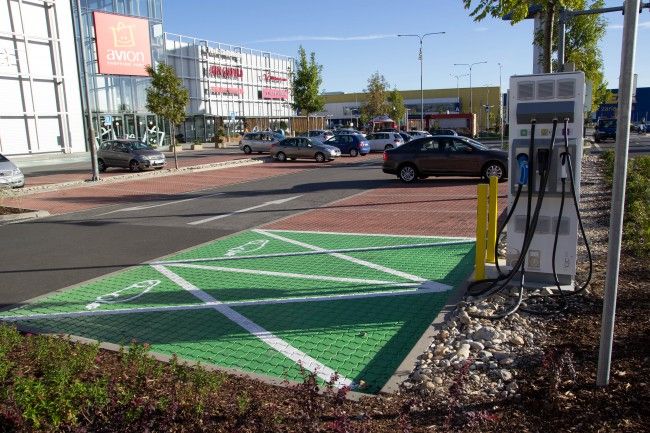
[{"x": 122, "y": 44}]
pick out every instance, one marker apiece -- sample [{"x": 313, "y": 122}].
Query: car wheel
[
  {"x": 408, "y": 173},
  {"x": 247, "y": 150},
  {"x": 319, "y": 157},
  {"x": 388, "y": 147},
  {"x": 281, "y": 157},
  {"x": 354, "y": 152},
  {"x": 101, "y": 165},
  {"x": 494, "y": 169},
  {"x": 135, "y": 166}
]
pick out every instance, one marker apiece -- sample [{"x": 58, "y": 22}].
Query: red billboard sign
[
  {"x": 218, "y": 90},
  {"x": 226, "y": 72},
  {"x": 122, "y": 44},
  {"x": 275, "y": 93}
]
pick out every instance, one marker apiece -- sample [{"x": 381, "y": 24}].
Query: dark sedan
[{"x": 445, "y": 156}]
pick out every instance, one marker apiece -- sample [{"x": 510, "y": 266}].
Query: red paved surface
[
  {"x": 138, "y": 190},
  {"x": 430, "y": 207}
]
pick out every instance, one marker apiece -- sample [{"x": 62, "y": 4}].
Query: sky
[{"x": 354, "y": 38}]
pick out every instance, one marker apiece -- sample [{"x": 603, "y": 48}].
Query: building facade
[
  {"x": 39, "y": 84},
  {"x": 344, "y": 108},
  {"x": 230, "y": 86}
]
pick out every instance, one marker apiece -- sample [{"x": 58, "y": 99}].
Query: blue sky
[{"x": 354, "y": 38}]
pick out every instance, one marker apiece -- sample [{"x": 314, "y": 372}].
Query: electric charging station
[{"x": 535, "y": 102}]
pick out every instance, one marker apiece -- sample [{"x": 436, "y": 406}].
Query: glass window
[{"x": 428, "y": 145}]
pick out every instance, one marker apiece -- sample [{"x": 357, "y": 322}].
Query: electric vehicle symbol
[
  {"x": 534, "y": 259},
  {"x": 126, "y": 294},
  {"x": 248, "y": 247}
]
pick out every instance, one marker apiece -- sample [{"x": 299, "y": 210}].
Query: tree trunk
[
  {"x": 549, "y": 23},
  {"x": 173, "y": 142}
]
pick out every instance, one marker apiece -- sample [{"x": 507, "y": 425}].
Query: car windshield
[
  {"x": 476, "y": 143},
  {"x": 3, "y": 159},
  {"x": 611, "y": 123},
  {"x": 137, "y": 145}
]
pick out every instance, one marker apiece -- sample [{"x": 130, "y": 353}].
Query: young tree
[
  {"x": 518, "y": 9},
  {"x": 167, "y": 98},
  {"x": 376, "y": 101},
  {"x": 395, "y": 103},
  {"x": 306, "y": 85}
]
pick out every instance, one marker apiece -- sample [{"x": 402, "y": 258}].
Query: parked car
[
  {"x": 352, "y": 144},
  {"x": 445, "y": 156},
  {"x": 319, "y": 135},
  {"x": 406, "y": 137},
  {"x": 418, "y": 134},
  {"x": 132, "y": 154},
  {"x": 384, "y": 140},
  {"x": 388, "y": 130},
  {"x": 303, "y": 148},
  {"x": 605, "y": 128},
  {"x": 258, "y": 141},
  {"x": 443, "y": 132},
  {"x": 348, "y": 131},
  {"x": 10, "y": 174}
]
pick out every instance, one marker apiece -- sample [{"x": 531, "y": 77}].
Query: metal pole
[
  {"x": 471, "y": 100},
  {"x": 91, "y": 129},
  {"x": 501, "y": 104},
  {"x": 625, "y": 84},
  {"x": 562, "y": 40},
  {"x": 421, "y": 89}
]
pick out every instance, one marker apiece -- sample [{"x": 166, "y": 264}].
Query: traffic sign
[{"x": 108, "y": 120}]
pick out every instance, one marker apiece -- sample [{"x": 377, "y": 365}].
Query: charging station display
[{"x": 546, "y": 114}]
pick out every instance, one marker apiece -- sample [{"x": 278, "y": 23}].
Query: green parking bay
[{"x": 271, "y": 302}]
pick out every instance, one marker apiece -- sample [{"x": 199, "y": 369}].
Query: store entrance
[{"x": 125, "y": 126}]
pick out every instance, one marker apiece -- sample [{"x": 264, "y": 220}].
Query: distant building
[{"x": 640, "y": 106}]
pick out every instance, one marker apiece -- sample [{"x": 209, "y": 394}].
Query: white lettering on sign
[{"x": 123, "y": 56}]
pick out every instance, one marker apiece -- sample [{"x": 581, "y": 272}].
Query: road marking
[
  {"x": 361, "y": 262},
  {"x": 208, "y": 305},
  {"x": 294, "y": 275},
  {"x": 370, "y": 234},
  {"x": 268, "y": 203},
  {"x": 141, "y": 288},
  {"x": 299, "y": 357},
  {"x": 248, "y": 247},
  {"x": 143, "y": 207},
  {"x": 309, "y": 253}
]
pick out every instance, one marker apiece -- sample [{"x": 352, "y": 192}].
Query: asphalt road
[
  {"x": 639, "y": 145},
  {"x": 42, "y": 256}
]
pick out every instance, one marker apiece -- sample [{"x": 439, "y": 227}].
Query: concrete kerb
[
  {"x": 23, "y": 216},
  {"x": 128, "y": 177}
]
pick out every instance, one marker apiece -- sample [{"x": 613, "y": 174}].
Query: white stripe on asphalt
[
  {"x": 292, "y": 275},
  {"x": 301, "y": 358},
  {"x": 143, "y": 207},
  {"x": 208, "y": 305},
  {"x": 361, "y": 262},
  {"x": 218, "y": 217},
  {"x": 370, "y": 234},
  {"x": 308, "y": 253}
]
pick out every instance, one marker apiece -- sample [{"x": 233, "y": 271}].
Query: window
[
  {"x": 457, "y": 146},
  {"x": 429, "y": 145}
]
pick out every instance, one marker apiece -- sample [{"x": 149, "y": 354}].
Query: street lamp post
[
  {"x": 501, "y": 104},
  {"x": 470, "y": 65},
  {"x": 421, "y": 37},
  {"x": 458, "y": 77}
]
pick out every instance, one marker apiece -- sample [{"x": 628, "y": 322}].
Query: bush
[{"x": 636, "y": 233}]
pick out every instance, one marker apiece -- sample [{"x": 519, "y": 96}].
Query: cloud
[
  {"x": 481, "y": 29},
  {"x": 642, "y": 25},
  {"x": 322, "y": 38}
]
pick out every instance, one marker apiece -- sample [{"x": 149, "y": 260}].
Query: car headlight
[{"x": 17, "y": 172}]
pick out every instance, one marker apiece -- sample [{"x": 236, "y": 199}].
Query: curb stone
[{"x": 24, "y": 216}]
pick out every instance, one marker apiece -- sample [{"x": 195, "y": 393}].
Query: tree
[
  {"x": 376, "y": 101},
  {"x": 306, "y": 85},
  {"x": 548, "y": 10},
  {"x": 167, "y": 98},
  {"x": 395, "y": 103}
]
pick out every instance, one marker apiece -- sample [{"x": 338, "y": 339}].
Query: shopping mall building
[{"x": 59, "y": 57}]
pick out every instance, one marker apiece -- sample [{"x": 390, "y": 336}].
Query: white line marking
[
  {"x": 248, "y": 247},
  {"x": 268, "y": 203},
  {"x": 369, "y": 234},
  {"x": 143, "y": 207},
  {"x": 292, "y": 275},
  {"x": 207, "y": 305},
  {"x": 361, "y": 262},
  {"x": 141, "y": 288},
  {"x": 301, "y": 358},
  {"x": 309, "y": 253}
]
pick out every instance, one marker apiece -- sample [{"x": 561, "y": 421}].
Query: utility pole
[
  {"x": 625, "y": 83},
  {"x": 421, "y": 38},
  {"x": 470, "y": 65},
  {"x": 501, "y": 114},
  {"x": 91, "y": 129},
  {"x": 458, "y": 77}
]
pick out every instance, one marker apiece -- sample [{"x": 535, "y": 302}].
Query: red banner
[
  {"x": 216, "y": 90},
  {"x": 269, "y": 77},
  {"x": 122, "y": 44},
  {"x": 226, "y": 72}
]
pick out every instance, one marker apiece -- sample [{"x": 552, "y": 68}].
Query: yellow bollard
[
  {"x": 492, "y": 219},
  {"x": 481, "y": 223}
]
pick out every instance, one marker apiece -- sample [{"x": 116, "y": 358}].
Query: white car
[
  {"x": 259, "y": 141},
  {"x": 419, "y": 134},
  {"x": 380, "y": 141},
  {"x": 10, "y": 174},
  {"x": 319, "y": 135}
]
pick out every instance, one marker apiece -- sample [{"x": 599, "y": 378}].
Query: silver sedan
[
  {"x": 10, "y": 174},
  {"x": 303, "y": 148}
]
